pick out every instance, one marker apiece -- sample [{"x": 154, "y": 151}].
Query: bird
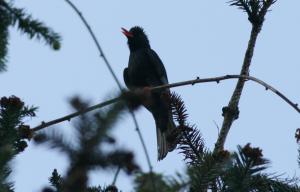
[{"x": 145, "y": 69}]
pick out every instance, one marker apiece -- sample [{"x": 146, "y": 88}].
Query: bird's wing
[
  {"x": 158, "y": 68},
  {"x": 126, "y": 78}
]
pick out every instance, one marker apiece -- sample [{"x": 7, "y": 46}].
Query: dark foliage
[
  {"x": 191, "y": 144},
  {"x": 90, "y": 150},
  {"x": 12, "y": 141},
  {"x": 189, "y": 139},
  {"x": 143, "y": 182},
  {"x": 241, "y": 171},
  {"x": 4, "y": 23},
  {"x": 6, "y": 154},
  {"x": 56, "y": 182},
  {"x": 205, "y": 174},
  {"x": 297, "y": 135},
  {"x": 12, "y": 16},
  {"x": 247, "y": 173}
]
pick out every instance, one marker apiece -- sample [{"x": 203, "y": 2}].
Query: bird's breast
[{"x": 139, "y": 68}]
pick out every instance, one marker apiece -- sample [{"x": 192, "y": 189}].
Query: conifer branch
[
  {"x": 189, "y": 139},
  {"x": 11, "y": 16},
  {"x": 12, "y": 113},
  {"x": 31, "y": 27},
  {"x": 256, "y": 11},
  {"x": 3, "y": 38}
]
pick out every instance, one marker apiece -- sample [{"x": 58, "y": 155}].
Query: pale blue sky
[{"x": 193, "y": 38}]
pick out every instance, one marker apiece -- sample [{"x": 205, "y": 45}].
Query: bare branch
[
  {"x": 225, "y": 77},
  {"x": 72, "y": 115},
  {"x": 116, "y": 176},
  {"x": 96, "y": 42},
  {"x": 178, "y": 84}
]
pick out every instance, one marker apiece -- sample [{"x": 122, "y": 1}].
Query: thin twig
[
  {"x": 142, "y": 142},
  {"x": 182, "y": 83},
  {"x": 116, "y": 176},
  {"x": 225, "y": 77},
  {"x": 72, "y": 115},
  {"x": 96, "y": 42},
  {"x": 218, "y": 128},
  {"x": 117, "y": 81}
]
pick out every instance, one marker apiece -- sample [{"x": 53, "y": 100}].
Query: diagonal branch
[
  {"x": 178, "y": 84},
  {"x": 72, "y": 115},
  {"x": 231, "y": 112},
  {"x": 108, "y": 65},
  {"x": 116, "y": 176}
]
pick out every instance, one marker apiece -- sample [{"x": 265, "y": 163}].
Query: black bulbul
[{"x": 145, "y": 69}]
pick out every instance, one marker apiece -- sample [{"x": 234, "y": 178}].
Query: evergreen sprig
[
  {"x": 247, "y": 173},
  {"x": 206, "y": 174},
  {"x": 143, "y": 183},
  {"x": 190, "y": 140},
  {"x": 297, "y": 137},
  {"x": 247, "y": 163},
  {"x": 12, "y": 16},
  {"x": 255, "y": 9},
  {"x": 6, "y": 155},
  {"x": 191, "y": 145},
  {"x": 4, "y": 23},
  {"x": 244, "y": 170},
  {"x": 12, "y": 140},
  {"x": 12, "y": 129},
  {"x": 56, "y": 182}
]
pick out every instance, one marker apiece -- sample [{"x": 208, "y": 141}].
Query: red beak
[{"x": 126, "y": 33}]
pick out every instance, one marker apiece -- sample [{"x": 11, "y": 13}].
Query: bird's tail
[{"x": 164, "y": 145}]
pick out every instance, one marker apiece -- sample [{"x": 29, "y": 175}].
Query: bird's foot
[
  {"x": 147, "y": 90},
  {"x": 146, "y": 96}
]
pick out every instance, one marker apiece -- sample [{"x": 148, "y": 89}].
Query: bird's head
[{"x": 137, "y": 39}]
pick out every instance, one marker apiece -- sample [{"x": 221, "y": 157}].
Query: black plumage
[{"x": 145, "y": 69}]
